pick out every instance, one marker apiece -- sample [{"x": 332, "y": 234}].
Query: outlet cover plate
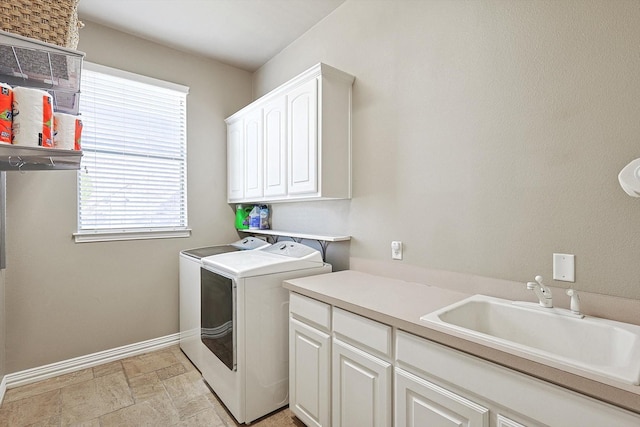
[
  {"x": 396, "y": 250},
  {"x": 564, "y": 267}
]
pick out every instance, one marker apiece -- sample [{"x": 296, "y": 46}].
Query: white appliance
[
  {"x": 190, "y": 266},
  {"x": 243, "y": 341}
]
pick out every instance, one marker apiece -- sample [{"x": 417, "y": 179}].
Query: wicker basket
[{"x": 51, "y": 21}]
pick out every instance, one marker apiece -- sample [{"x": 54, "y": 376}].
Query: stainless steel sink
[{"x": 591, "y": 344}]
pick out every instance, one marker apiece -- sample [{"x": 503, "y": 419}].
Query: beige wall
[
  {"x": 65, "y": 299},
  {"x": 486, "y": 135}
]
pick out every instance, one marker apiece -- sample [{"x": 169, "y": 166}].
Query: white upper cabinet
[
  {"x": 303, "y": 139},
  {"x": 235, "y": 161},
  {"x": 296, "y": 141},
  {"x": 275, "y": 148},
  {"x": 253, "y": 157}
]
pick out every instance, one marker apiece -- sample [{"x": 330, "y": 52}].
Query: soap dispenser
[{"x": 575, "y": 301}]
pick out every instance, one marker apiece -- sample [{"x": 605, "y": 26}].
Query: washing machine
[
  {"x": 244, "y": 310},
  {"x": 190, "y": 265}
]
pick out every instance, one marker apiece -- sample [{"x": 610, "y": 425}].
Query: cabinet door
[
  {"x": 309, "y": 374},
  {"x": 361, "y": 386},
  {"x": 302, "y": 112},
  {"x": 235, "y": 161},
  {"x": 502, "y": 421},
  {"x": 275, "y": 148},
  {"x": 419, "y": 402},
  {"x": 253, "y": 159}
]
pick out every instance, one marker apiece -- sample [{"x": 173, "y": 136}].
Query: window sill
[{"x": 87, "y": 237}]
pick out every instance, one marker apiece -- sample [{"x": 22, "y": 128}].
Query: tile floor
[{"x": 161, "y": 388}]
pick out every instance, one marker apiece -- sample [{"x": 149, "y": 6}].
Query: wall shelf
[
  {"x": 31, "y": 63},
  {"x": 18, "y": 158},
  {"x": 295, "y": 235}
]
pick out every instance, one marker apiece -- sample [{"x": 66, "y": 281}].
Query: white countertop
[{"x": 400, "y": 304}]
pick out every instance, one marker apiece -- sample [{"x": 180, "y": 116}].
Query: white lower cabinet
[
  {"x": 309, "y": 374},
  {"x": 340, "y": 366},
  {"x": 362, "y": 375},
  {"x": 512, "y": 399},
  {"x": 502, "y": 421},
  {"x": 420, "y": 403},
  {"x": 350, "y": 371},
  {"x": 310, "y": 360},
  {"x": 361, "y": 388}
]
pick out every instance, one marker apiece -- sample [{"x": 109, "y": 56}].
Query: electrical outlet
[{"x": 396, "y": 250}]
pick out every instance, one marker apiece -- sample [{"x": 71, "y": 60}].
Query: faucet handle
[
  {"x": 542, "y": 292},
  {"x": 543, "y": 287},
  {"x": 538, "y": 282}
]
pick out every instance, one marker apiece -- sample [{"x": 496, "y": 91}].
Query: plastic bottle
[
  {"x": 242, "y": 217},
  {"x": 264, "y": 217},
  {"x": 254, "y": 218}
]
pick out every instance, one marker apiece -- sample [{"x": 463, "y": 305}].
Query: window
[{"x": 132, "y": 182}]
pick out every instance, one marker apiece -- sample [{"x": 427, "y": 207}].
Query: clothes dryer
[
  {"x": 245, "y": 309},
  {"x": 190, "y": 275}
]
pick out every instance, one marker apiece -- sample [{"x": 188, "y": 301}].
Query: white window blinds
[{"x": 132, "y": 179}]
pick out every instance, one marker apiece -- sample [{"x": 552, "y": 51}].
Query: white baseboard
[{"x": 71, "y": 365}]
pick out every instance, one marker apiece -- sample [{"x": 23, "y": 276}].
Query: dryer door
[{"x": 218, "y": 316}]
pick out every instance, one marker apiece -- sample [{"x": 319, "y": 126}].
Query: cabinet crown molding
[{"x": 320, "y": 69}]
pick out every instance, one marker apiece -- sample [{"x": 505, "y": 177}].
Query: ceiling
[{"x": 242, "y": 33}]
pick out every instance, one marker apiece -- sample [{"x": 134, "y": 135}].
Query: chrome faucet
[{"x": 542, "y": 292}]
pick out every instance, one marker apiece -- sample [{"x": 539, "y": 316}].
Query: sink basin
[{"x": 590, "y": 344}]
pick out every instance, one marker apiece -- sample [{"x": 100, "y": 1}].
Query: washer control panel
[{"x": 290, "y": 249}]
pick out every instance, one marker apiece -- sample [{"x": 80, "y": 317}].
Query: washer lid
[
  {"x": 281, "y": 257},
  {"x": 248, "y": 243},
  {"x": 199, "y": 253}
]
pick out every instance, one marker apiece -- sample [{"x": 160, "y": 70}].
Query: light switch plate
[{"x": 564, "y": 267}]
